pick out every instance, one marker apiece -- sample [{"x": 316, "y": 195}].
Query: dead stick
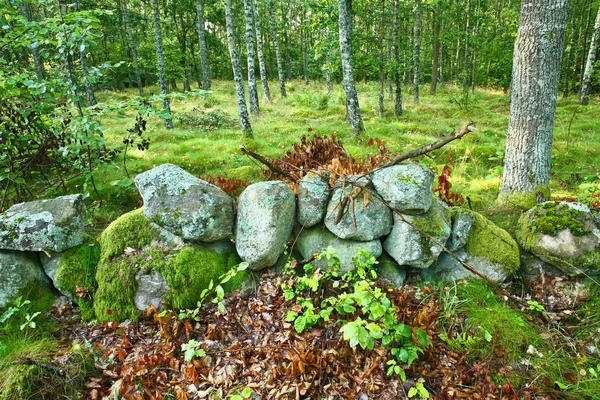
[
  {"x": 264, "y": 161},
  {"x": 470, "y": 127},
  {"x": 54, "y": 368}
]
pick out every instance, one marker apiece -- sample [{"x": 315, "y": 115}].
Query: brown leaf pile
[
  {"x": 251, "y": 346},
  {"x": 229, "y": 185}
]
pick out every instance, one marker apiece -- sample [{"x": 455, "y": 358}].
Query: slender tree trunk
[
  {"x": 206, "y": 74},
  {"x": 345, "y": 22},
  {"x": 37, "y": 61},
  {"x": 381, "y": 62},
  {"x": 280, "y": 70},
  {"x": 585, "y": 47},
  {"x": 261, "y": 57},
  {"x": 390, "y": 39},
  {"x": 237, "y": 73},
  {"x": 328, "y": 60},
  {"x": 397, "y": 74},
  {"x": 436, "y": 50},
  {"x": 87, "y": 82},
  {"x": 304, "y": 44},
  {"x": 591, "y": 59},
  {"x": 569, "y": 61},
  {"x": 534, "y": 90},
  {"x": 465, "y": 70},
  {"x": 250, "y": 49},
  {"x": 417, "y": 59},
  {"x": 164, "y": 90},
  {"x": 132, "y": 48},
  {"x": 578, "y": 46}
]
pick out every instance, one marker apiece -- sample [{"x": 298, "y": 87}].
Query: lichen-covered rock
[
  {"x": 131, "y": 244},
  {"x": 532, "y": 266},
  {"x": 462, "y": 221},
  {"x": 265, "y": 219},
  {"x": 406, "y": 187},
  {"x": 152, "y": 289},
  {"x": 44, "y": 225},
  {"x": 391, "y": 270},
  {"x": 72, "y": 269},
  {"x": 185, "y": 205},
  {"x": 21, "y": 275},
  {"x": 489, "y": 250},
  {"x": 317, "y": 239},
  {"x": 410, "y": 247},
  {"x": 365, "y": 218},
  {"x": 562, "y": 234},
  {"x": 313, "y": 193}
]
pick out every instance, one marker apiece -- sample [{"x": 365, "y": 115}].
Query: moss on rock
[
  {"x": 524, "y": 200},
  {"x": 130, "y": 230}
]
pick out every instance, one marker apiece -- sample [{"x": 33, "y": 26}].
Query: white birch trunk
[
  {"x": 261, "y": 56},
  {"x": 589, "y": 66},
  {"x": 250, "y": 50},
  {"x": 206, "y": 73},
  {"x": 164, "y": 89}
]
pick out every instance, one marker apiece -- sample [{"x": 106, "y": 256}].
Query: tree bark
[
  {"x": 436, "y": 50},
  {"x": 280, "y": 70},
  {"x": 381, "y": 62},
  {"x": 250, "y": 50},
  {"x": 345, "y": 22},
  {"x": 206, "y": 73},
  {"x": 417, "y": 54},
  {"x": 585, "y": 48},
  {"x": 534, "y": 90},
  {"x": 37, "y": 60},
  {"x": 87, "y": 83},
  {"x": 261, "y": 57},
  {"x": 237, "y": 73},
  {"x": 132, "y": 48},
  {"x": 390, "y": 39},
  {"x": 397, "y": 75},
  {"x": 164, "y": 89},
  {"x": 589, "y": 66}
]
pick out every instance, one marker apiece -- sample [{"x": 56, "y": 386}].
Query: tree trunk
[
  {"x": 164, "y": 90},
  {"x": 585, "y": 48},
  {"x": 589, "y": 66},
  {"x": 390, "y": 39},
  {"x": 534, "y": 90},
  {"x": 304, "y": 44},
  {"x": 465, "y": 70},
  {"x": 206, "y": 74},
  {"x": 569, "y": 61},
  {"x": 37, "y": 61},
  {"x": 237, "y": 73},
  {"x": 328, "y": 60},
  {"x": 436, "y": 50},
  {"x": 261, "y": 57},
  {"x": 345, "y": 22},
  {"x": 381, "y": 62},
  {"x": 417, "y": 59},
  {"x": 397, "y": 75},
  {"x": 132, "y": 49},
  {"x": 87, "y": 83},
  {"x": 280, "y": 70},
  {"x": 250, "y": 49},
  {"x": 579, "y": 45}
]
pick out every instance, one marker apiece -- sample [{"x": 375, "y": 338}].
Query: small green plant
[
  {"x": 29, "y": 321},
  {"x": 535, "y": 306},
  {"x": 245, "y": 394},
  {"x": 192, "y": 349},
  {"x": 419, "y": 390},
  {"x": 365, "y": 313},
  {"x": 18, "y": 304}
]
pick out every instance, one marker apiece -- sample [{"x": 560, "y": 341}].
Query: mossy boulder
[
  {"x": 489, "y": 250},
  {"x": 21, "y": 275},
  {"x": 132, "y": 247},
  {"x": 72, "y": 269},
  {"x": 562, "y": 234},
  {"x": 415, "y": 239}
]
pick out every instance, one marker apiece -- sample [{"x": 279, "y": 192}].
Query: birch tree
[
  {"x": 132, "y": 48},
  {"x": 206, "y": 73},
  {"x": 589, "y": 66},
  {"x": 280, "y": 71},
  {"x": 237, "y": 73},
  {"x": 417, "y": 58},
  {"x": 87, "y": 82},
  {"x": 261, "y": 57},
  {"x": 352, "y": 105},
  {"x": 397, "y": 76},
  {"x": 250, "y": 50},
  {"x": 37, "y": 60},
  {"x": 535, "y": 78},
  {"x": 164, "y": 89}
]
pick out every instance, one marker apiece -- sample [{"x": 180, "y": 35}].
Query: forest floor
[{"x": 483, "y": 345}]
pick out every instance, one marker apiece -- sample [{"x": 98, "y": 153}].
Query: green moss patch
[
  {"x": 130, "y": 230},
  {"x": 551, "y": 218}
]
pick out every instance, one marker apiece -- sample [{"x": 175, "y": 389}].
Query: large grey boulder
[
  {"x": 410, "y": 247},
  {"x": 406, "y": 187},
  {"x": 373, "y": 218},
  {"x": 562, "y": 234},
  {"x": 388, "y": 268},
  {"x": 152, "y": 288},
  {"x": 265, "y": 219},
  {"x": 185, "y": 205},
  {"x": 21, "y": 274},
  {"x": 44, "y": 225},
  {"x": 313, "y": 193},
  {"x": 489, "y": 250},
  {"x": 317, "y": 239}
]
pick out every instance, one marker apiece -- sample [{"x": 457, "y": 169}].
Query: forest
[{"x": 299, "y": 199}]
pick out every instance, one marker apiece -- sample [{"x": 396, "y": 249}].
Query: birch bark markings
[
  {"x": 417, "y": 59},
  {"x": 589, "y": 66},
  {"x": 436, "y": 49},
  {"x": 345, "y": 23},
  {"x": 397, "y": 77},
  {"x": 280, "y": 71},
  {"x": 206, "y": 73},
  {"x": 132, "y": 49},
  {"x": 237, "y": 73},
  {"x": 535, "y": 78},
  {"x": 164, "y": 89},
  {"x": 250, "y": 49},
  {"x": 261, "y": 57}
]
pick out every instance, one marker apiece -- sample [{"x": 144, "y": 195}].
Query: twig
[
  {"x": 263, "y": 160},
  {"x": 53, "y": 368}
]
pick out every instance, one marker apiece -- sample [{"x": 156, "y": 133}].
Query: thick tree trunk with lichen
[
  {"x": 397, "y": 75},
  {"x": 345, "y": 22},
  {"x": 589, "y": 67},
  {"x": 261, "y": 58},
  {"x": 237, "y": 73},
  {"x": 164, "y": 89},
  {"x": 417, "y": 54},
  {"x": 250, "y": 50},
  {"x": 280, "y": 71},
  {"x": 132, "y": 48},
  {"x": 534, "y": 90},
  {"x": 206, "y": 73}
]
